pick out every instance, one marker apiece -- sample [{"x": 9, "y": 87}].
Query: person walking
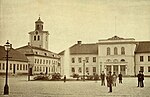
[
  {"x": 139, "y": 79},
  {"x": 64, "y": 78},
  {"x": 109, "y": 79},
  {"x": 120, "y": 78},
  {"x": 102, "y": 78},
  {"x": 114, "y": 79}
]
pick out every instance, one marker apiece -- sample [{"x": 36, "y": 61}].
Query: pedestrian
[
  {"x": 142, "y": 79},
  {"x": 114, "y": 79},
  {"x": 139, "y": 79},
  {"x": 102, "y": 78},
  {"x": 120, "y": 78},
  {"x": 64, "y": 78},
  {"x": 109, "y": 79}
]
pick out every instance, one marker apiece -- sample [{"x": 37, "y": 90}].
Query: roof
[
  {"x": 39, "y": 21},
  {"x": 143, "y": 47},
  {"x": 82, "y": 49},
  {"x": 15, "y": 55},
  {"x": 28, "y": 50}
]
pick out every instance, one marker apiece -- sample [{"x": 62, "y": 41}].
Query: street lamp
[
  {"x": 83, "y": 70},
  {"x": 7, "y": 48}
]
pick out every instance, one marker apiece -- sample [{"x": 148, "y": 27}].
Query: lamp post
[
  {"x": 83, "y": 70},
  {"x": 6, "y": 87}
]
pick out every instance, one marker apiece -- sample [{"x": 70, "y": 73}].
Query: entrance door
[
  {"x": 123, "y": 69},
  {"x": 115, "y": 69},
  {"x": 14, "y": 69},
  {"x": 108, "y": 68},
  {"x": 30, "y": 71}
]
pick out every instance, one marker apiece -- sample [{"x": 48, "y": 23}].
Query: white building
[
  {"x": 114, "y": 54},
  {"x": 41, "y": 60},
  {"x": 17, "y": 64}
]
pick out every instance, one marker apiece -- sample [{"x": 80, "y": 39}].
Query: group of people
[
  {"x": 140, "y": 79},
  {"x": 111, "y": 79}
]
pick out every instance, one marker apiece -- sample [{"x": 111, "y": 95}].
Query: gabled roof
[
  {"x": 15, "y": 55},
  {"x": 143, "y": 47},
  {"x": 83, "y": 49},
  {"x": 28, "y": 50}
]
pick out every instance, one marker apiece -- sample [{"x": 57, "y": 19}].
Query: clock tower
[{"x": 39, "y": 37}]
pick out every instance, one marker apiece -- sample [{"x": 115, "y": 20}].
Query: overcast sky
[{"x": 71, "y": 20}]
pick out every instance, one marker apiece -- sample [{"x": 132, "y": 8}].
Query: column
[
  {"x": 112, "y": 68},
  {"x": 118, "y": 69},
  {"x": 126, "y": 70}
]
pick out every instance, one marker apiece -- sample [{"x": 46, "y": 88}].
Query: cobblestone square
[{"x": 20, "y": 87}]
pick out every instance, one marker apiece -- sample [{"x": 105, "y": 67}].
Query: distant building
[
  {"x": 114, "y": 54},
  {"x": 142, "y": 57},
  {"x": 41, "y": 60},
  {"x": 17, "y": 64}
]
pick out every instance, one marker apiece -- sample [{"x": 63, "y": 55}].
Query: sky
[{"x": 69, "y": 21}]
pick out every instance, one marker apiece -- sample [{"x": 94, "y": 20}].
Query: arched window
[
  {"x": 34, "y": 37},
  {"x": 122, "y": 50},
  {"x": 38, "y": 37},
  {"x": 122, "y": 60},
  {"x": 108, "y": 51},
  {"x": 115, "y": 51}
]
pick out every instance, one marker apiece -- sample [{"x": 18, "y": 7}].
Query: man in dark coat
[
  {"x": 139, "y": 79},
  {"x": 142, "y": 79},
  {"x": 103, "y": 78},
  {"x": 109, "y": 81},
  {"x": 120, "y": 77}
]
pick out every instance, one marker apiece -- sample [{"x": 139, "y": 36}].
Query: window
[
  {"x": 0, "y": 66},
  {"x": 35, "y": 61},
  {"x": 73, "y": 69},
  {"x": 38, "y": 37},
  {"x": 34, "y": 37},
  {"x": 26, "y": 67},
  {"x": 23, "y": 67},
  {"x": 40, "y": 68},
  {"x": 108, "y": 51},
  {"x": 40, "y": 61},
  {"x": 149, "y": 69},
  {"x": 20, "y": 66},
  {"x": 87, "y": 59},
  {"x": 73, "y": 60},
  {"x": 148, "y": 58},
  {"x": 36, "y": 52},
  {"x": 94, "y": 59},
  {"x": 45, "y": 54},
  {"x": 141, "y": 59},
  {"x": 49, "y": 62},
  {"x": 17, "y": 66},
  {"x": 80, "y": 70},
  {"x": 49, "y": 69},
  {"x": 141, "y": 68},
  {"x": 80, "y": 60},
  {"x": 115, "y": 51},
  {"x": 35, "y": 68},
  {"x": 87, "y": 70},
  {"x": 46, "y": 61},
  {"x": 43, "y": 61},
  {"x": 122, "y": 60},
  {"x": 10, "y": 67},
  {"x": 122, "y": 50},
  {"x": 3, "y": 66},
  {"x": 94, "y": 69}
]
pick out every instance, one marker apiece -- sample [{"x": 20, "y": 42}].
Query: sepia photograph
[{"x": 74, "y": 48}]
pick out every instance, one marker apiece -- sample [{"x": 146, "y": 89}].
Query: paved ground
[{"x": 20, "y": 87}]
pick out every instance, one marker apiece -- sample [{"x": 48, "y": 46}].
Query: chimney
[{"x": 79, "y": 42}]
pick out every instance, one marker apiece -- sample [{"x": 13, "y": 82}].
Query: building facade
[
  {"x": 119, "y": 55},
  {"x": 17, "y": 64},
  {"x": 41, "y": 60}
]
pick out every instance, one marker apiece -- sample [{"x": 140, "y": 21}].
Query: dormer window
[
  {"x": 45, "y": 54},
  {"x": 36, "y": 52}
]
